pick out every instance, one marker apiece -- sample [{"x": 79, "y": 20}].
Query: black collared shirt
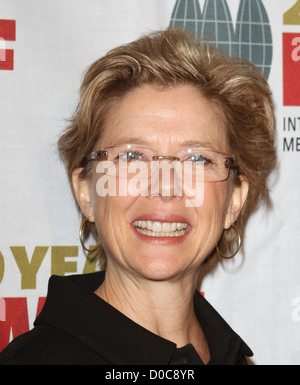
[{"x": 77, "y": 327}]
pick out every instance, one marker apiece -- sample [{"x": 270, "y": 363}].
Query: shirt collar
[
  {"x": 224, "y": 344},
  {"x": 73, "y": 307}
]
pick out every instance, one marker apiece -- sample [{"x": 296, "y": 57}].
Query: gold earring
[
  {"x": 239, "y": 244},
  {"x": 80, "y": 237}
]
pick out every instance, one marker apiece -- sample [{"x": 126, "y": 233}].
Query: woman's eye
[
  {"x": 130, "y": 155},
  {"x": 199, "y": 158}
]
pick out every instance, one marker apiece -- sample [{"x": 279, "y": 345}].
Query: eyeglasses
[{"x": 124, "y": 160}]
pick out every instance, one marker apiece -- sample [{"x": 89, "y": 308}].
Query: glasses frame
[{"x": 101, "y": 155}]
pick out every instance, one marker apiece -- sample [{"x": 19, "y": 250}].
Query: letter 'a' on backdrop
[{"x": 41, "y": 68}]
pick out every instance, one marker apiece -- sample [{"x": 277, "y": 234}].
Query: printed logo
[
  {"x": 153, "y": 178},
  {"x": 292, "y": 15},
  {"x": 252, "y": 38},
  {"x": 7, "y": 33},
  {"x": 291, "y": 68}
]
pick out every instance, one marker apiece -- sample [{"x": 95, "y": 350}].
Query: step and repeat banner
[{"x": 45, "y": 46}]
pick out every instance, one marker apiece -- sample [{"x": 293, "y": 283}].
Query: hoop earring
[
  {"x": 239, "y": 244},
  {"x": 80, "y": 237}
]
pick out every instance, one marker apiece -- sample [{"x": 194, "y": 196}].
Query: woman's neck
[{"x": 163, "y": 307}]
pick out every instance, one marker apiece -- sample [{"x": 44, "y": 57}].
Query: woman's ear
[
  {"x": 82, "y": 193},
  {"x": 237, "y": 200}
]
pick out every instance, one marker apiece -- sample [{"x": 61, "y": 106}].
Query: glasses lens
[
  {"x": 214, "y": 169},
  {"x": 128, "y": 161}
]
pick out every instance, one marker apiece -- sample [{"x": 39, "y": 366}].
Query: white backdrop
[{"x": 41, "y": 67}]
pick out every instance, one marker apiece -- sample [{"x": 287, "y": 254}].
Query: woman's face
[{"x": 165, "y": 120}]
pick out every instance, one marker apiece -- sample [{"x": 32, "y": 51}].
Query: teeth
[{"x": 161, "y": 229}]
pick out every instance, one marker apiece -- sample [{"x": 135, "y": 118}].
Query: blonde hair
[{"x": 237, "y": 89}]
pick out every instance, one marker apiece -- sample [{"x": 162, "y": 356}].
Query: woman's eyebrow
[
  {"x": 131, "y": 140},
  {"x": 196, "y": 143}
]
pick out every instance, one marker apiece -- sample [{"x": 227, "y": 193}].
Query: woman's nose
[{"x": 164, "y": 180}]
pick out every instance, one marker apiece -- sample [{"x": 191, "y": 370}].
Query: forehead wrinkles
[
  {"x": 163, "y": 117},
  {"x": 150, "y": 102}
]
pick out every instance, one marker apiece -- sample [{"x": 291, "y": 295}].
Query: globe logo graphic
[{"x": 250, "y": 39}]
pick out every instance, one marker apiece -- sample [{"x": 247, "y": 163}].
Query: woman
[{"x": 162, "y": 99}]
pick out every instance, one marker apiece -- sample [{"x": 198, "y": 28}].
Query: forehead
[{"x": 164, "y": 117}]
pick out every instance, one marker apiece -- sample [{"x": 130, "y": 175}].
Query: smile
[{"x": 161, "y": 229}]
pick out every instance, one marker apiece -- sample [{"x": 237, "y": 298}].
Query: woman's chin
[{"x": 160, "y": 269}]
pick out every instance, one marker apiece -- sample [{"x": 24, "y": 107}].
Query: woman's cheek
[{"x": 215, "y": 204}]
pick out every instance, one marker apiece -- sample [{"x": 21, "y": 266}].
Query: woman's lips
[
  {"x": 160, "y": 217},
  {"x": 162, "y": 229}
]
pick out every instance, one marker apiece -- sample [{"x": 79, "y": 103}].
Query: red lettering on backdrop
[
  {"x": 291, "y": 69},
  {"x": 8, "y": 30},
  {"x": 14, "y": 318},
  {"x": 7, "y": 33}
]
